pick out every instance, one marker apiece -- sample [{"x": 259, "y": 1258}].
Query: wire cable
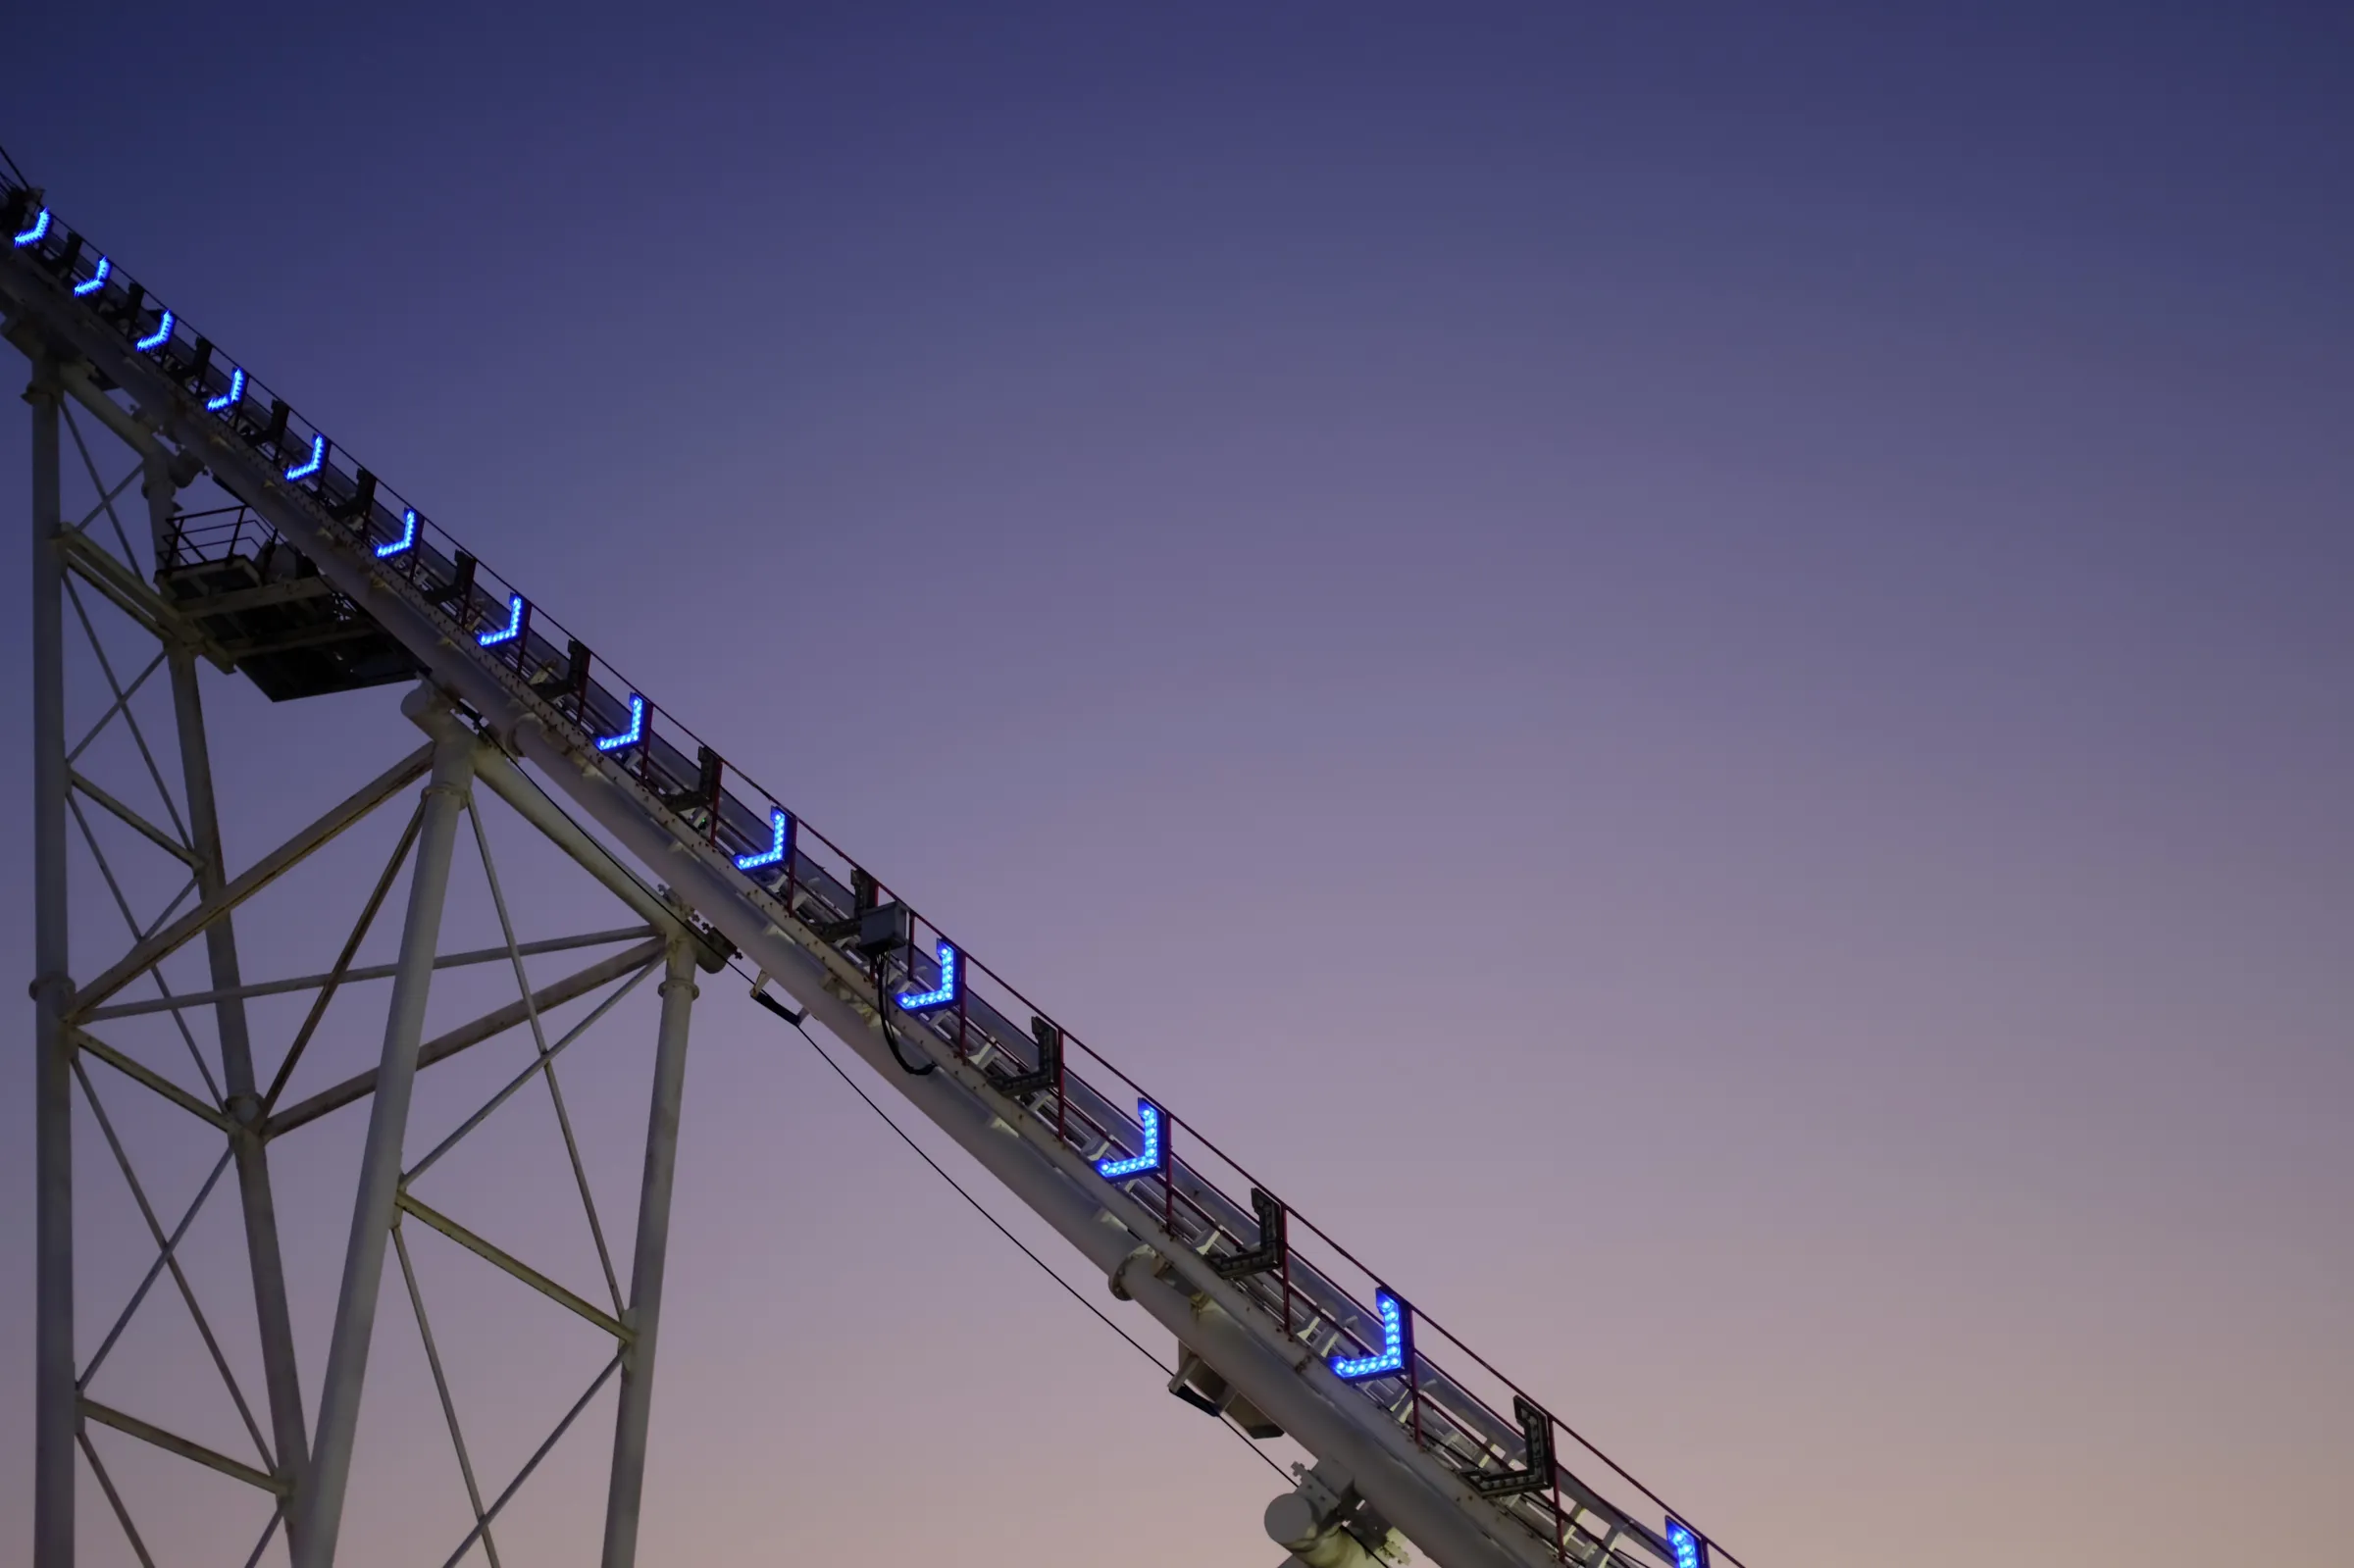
[
  {"x": 998, "y": 1225},
  {"x": 889, "y": 1040}
]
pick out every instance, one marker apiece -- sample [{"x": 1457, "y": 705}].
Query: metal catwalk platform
[{"x": 315, "y": 575}]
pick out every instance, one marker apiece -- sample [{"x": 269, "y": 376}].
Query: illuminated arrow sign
[
  {"x": 518, "y": 617},
  {"x": 780, "y": 848},
  {"x": 1147, "y": 1161},
  {"x": 947, "y": 993},
  {"x": 634, "y": 734},
  {"x": 1397, "y": 1344},
  {"x": 408, "y": 526},
  {"x": 304, "y": 470}
]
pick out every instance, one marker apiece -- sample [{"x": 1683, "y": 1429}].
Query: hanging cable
[
  {"x": 891, "y": 1041},
  {"x": 791, "y": 1016},
  {"x": 998, "y": 1225}
]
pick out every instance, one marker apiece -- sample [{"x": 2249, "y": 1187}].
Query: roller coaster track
[{"x": 1280, "y": 1329}]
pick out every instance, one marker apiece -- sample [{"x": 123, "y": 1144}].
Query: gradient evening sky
[{"x": 1687, "y": 667}]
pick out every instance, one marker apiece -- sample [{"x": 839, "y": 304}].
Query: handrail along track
[{"x": 1425, "y": 1449}]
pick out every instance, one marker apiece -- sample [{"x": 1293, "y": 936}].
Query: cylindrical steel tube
[
  {"x": 259, "y": 1204},
  {"x": 644, "y": 1314},
  {"x": 318, "y": 1509},
  {"x": 56, "y": 1401}
]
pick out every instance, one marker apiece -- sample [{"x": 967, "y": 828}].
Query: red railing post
[
  {"x": 792, "y": 868},
  {"x": 1413, "y": 1395}
]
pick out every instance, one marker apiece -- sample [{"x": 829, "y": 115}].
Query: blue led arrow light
[
  {"x": 1149, "y": 1160},
  {"x": 1397, "y": 1344},
  {"x": 944, "y": 994},
  {"x": 408, "y": 526},
  {"x": 634, "y": 734},
  {"x": 156, "y": 338},
  {"x": 38, "y": 231},
  {"x": 779, "y": 848},
  {"x": 1690, "y": 1550},
  {"x": 95, "y": 281},
  {"x": 230, "y": 398},
  {"x": 511, "y": 630},
  {"x": 304, "y": 470}
]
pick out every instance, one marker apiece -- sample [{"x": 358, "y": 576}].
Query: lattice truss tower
[{"x": 224, "y": 1028}]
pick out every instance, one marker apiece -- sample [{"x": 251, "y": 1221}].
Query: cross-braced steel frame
[
  {"x": 318, "y": 577},
  {"x": 155, "y": 1036}
]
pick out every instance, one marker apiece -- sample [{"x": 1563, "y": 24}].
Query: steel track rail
[{"x": 1415, "y": 1489}]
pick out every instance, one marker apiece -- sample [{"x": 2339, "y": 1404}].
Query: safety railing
[
  {"x": 222, "y": 533},
  {"x": 1317, "y": 1292}
]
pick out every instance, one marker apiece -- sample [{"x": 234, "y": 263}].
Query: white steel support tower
[
  {"x": 93, "y": 587},
  {"x": 210, "y": 525}
]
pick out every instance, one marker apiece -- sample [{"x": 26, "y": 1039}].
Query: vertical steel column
[
  {"x": 54, "y": 1403},
  {"x": 270, "y": 1318},
  {"x": 644, "y": 1315},
  {"x": 319, "y": 1508}
]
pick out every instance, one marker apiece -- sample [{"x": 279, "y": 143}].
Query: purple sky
[{"x": 1687, "y": 669}]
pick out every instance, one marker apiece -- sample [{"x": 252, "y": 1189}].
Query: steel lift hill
[{"x": 314, "y": 576}]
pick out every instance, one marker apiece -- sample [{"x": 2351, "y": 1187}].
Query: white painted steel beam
[
  {"x": 318, "y": 1510},
  {"x": 1417, "y": 1491},
  {"x": 54, "y": 1398},
  {"x": 281, "y": 1376},
  {"x": 625, "y": 1487}
]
